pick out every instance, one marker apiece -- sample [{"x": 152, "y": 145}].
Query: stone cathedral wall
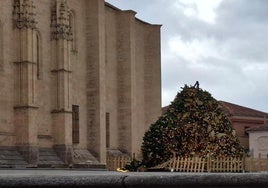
[
  {"x": 113, "y": 74},
  {"x": 7, "y": 91}
]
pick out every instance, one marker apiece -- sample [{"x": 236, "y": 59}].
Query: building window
[
  {"x": 38, "y": 57},
  {"x": 107, "y": 130},
  {"x": 75, "y": 134},
  {"x": 72, "y": 23},
  {"x": 1, "y": 47}
]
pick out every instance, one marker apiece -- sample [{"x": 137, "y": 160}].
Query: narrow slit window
[
  {"x": 107, "y": 130},
  {"x": 38, "y": 55},
  {"x": 75, "y": 127},
  {"x": 72, "y": 23},
  {"x": 1, "y": 47}
]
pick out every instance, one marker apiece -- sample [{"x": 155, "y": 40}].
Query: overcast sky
[{"x": 221, "y": 43}]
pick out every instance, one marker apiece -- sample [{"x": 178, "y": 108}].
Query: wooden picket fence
[
  {"x": 200, "y": 164},
  {"x": 195, "y": 164},
  {"x": 115, "y": 162},
  {"x": 226, "y": 164}
]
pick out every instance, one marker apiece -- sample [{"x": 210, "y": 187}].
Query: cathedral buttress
[
  {"x": 61, "y": 36},
  {"x": 26, "y": 71}
]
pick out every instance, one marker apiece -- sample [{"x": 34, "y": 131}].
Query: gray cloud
[{"x": 228, "y": 56}]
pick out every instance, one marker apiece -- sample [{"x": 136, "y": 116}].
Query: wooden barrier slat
[
  {"x": 198, "y": 164},
  {"x": 114, "y": 162}
]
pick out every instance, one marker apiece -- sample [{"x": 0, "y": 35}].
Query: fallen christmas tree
[{"x": 194, "y": 125}]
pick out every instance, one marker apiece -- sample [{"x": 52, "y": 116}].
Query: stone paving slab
[{"x": 84, "y": 178}]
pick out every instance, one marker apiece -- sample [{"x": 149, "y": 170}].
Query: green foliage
[{"x": 194, "y": 124}]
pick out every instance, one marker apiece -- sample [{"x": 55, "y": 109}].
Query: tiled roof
[{"x": 236, "y": 110}]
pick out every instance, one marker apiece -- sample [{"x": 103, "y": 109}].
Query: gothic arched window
[
  {"x": 72, "y": 23},
  {"x": 1, "y": 47},
  {"x": 38, "y": 56}
]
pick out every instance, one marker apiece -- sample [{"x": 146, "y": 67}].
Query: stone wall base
[
  {"x": 29, "y": 153},
  {"x": 65, "y": 153}
]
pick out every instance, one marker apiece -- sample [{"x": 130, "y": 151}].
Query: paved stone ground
[
  {"x": 83, "y": 178},
  {"x": 53, "y": 172}
]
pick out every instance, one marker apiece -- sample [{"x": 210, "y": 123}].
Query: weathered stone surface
[
  {"x": 85, "y": 53},
  {"x": 10, "y": 157},
  {"x": 60, "y": 178}
]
